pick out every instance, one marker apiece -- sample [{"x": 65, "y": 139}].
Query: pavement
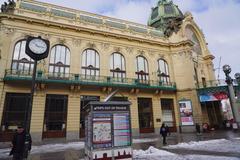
[{"x": 144, "y": 142}]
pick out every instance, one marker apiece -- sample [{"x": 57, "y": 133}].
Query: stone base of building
[
  {"x": 72, "y": 135},
  {"x": 187, "y": 129}
]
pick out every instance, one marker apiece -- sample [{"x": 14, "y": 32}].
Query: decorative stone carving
[
  {"x": 61, "y": 40},
  {"x": 8, "y": 7},
  {"x": 105, "y": 46},
  {"x": 141, "y": 52},
  {"x": 7, "y": 30},
  {"x": 117, "y": 49},
  {"x": 91, "y": 45},
  {"x": 172, "y": 26},
  {"x": 77, "y": 42},
  {"x": 129, "y": 49}
]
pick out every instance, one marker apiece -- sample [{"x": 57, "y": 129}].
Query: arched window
[
  {"x": 189, "y": 31},
  {"x": 142, "y": 69},
  {"x": 163, "y": 72},
  {"x": 90, "y": 63},
  {"x": 117, "y": 65},
  {"x": 59, "y": 65},
  {"x": 20, "y": 61}
]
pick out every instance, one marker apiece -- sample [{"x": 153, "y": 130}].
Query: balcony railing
[
  {"x": 215, "y": 83},
  {"x": 80, "y": 79}
]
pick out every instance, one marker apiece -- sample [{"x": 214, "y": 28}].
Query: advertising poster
[
  {"x": 186, "y": 113},
  {"x": 121, "y": 129},
  {"x": 102, "y": 131}
]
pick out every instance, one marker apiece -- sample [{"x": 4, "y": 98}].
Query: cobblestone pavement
[{"x": 139, "y": 143}]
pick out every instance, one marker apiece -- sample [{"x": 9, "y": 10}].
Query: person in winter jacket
[
  {"x": 164, "y": 132},
  {"x": 21, "y": 144}
]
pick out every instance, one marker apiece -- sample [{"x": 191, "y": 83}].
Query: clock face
[{"x": 38, "y": 46}]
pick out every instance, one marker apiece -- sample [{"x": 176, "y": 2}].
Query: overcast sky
[{"x": 218, "y": 19}]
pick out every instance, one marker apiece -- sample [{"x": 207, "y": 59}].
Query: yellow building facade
[{"x": 91, "y": 56}]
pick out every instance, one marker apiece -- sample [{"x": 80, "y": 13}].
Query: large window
[
  {"x": 193, "y": 37},
  {"x": 20, "y": 61},
  {"x": 15, "y": 110},
  {"x": 142, "y": 69},
  {"x": 59, "y": 61},
  {"x": 55, "y": 118},
  {"x": 117, "y": 64},
  {"x": 163, "y": 72},
  {"x": 90, "y": 63}
]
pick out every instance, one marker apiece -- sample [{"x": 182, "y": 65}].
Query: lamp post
[
  {"x": 237, "y": 77},
  {"x": 227, "y": 70}
]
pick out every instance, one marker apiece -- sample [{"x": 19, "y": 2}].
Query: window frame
[
  {"x": 142, "y": 75},
  {"x": 115, "y": 71},
  {"x": 163, "y": 75}
]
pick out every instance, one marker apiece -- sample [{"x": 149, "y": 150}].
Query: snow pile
[
  {"x": 57, "y": 147},
  {"x": 156, "y": 154},
  {"x": 218, "y": 145},
  {"x": 49, "y": 148},
  {"x": 152, "y": 153},
  {"x": 145, "y": 140}
]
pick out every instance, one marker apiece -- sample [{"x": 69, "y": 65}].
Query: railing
[
  {"x": 215, "y": 83},
  {"x": 88, "y": 80}
]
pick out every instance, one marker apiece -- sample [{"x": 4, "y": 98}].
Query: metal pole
[
  {"x": 29, "y": 114},
  {"x": 232, "y": 97}
]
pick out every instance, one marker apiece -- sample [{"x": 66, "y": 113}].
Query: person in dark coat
[
  {"x": 164, "y": 132},
  {"x": 19, "y": 141}
]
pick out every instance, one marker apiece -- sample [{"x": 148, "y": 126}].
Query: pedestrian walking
[
  {"x": 21, "y": 144},
  {"x": 163, "y": 132}
]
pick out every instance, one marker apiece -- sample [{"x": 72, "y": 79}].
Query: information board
[
  {"x": 102, "y": 137},
  {"x": 121, "y": 129}
]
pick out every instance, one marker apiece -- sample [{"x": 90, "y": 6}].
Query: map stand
[{"x": 108, "y": 131}]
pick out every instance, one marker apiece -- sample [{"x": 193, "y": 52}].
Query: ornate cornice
[{"x": 35, "y": 21}]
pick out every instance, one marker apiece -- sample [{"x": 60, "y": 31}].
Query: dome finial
[{"x": 166, "y": 17}]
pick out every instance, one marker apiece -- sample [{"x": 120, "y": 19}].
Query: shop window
[
  {"x": 55, "y": 113},
  {"x": 15, "y": 111},
  {"x": 168, "y": 116}
]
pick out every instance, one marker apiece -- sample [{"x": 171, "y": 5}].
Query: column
[
  {"x": 134, "y": 115},
  {"x": 38, "y": 110},
  {"x": 157, "y": 114},
  {"x": 73, "y": 117}
]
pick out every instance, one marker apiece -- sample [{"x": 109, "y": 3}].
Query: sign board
[
  {"x": 108, "y": 131},
  {"x": 186, "y": 112}
]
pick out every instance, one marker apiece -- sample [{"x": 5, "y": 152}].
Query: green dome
[{"x": 166, "y": 16}]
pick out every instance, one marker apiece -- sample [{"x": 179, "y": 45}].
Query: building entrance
[
  {"x": 214, "y": 113},
  {"x": 168, "y": 114},
  {"x": 55, "y": 116},
  {"x": 145, "y": 115}
]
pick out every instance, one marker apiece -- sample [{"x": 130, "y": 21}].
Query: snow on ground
[
  {"x": 156, "y": 154},
  {"x": 219, "y": 145},
  {"x": 145, "y": 140},
  {"x": 49, "y": 148}
]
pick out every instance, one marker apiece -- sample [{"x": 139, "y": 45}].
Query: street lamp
[{"x": 227, "y": 70}]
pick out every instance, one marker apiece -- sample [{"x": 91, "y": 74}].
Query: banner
[
  {"x": 186, "y": 113},
  {"x": 213, "y": 96}
]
